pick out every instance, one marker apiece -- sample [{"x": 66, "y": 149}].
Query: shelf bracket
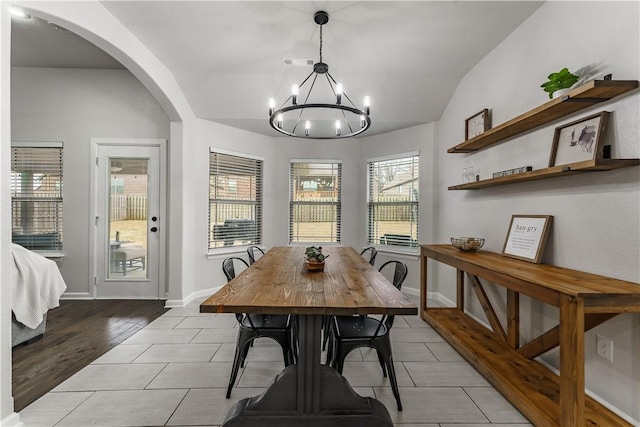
[{"x": 591, "y": 100}]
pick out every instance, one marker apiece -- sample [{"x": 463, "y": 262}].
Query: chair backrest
[
  {"x": 229, "y": 270},
  {"x": 228, "y": 267},
  {"x": 372, "y": 255},
  {"x": 400, "y": 271},
  {"x": 251, "y": 252}
]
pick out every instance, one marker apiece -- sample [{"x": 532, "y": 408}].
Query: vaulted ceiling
[{"x": 227, "y": 55}]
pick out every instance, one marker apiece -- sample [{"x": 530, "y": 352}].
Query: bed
[{"x": 36, "y": 287}]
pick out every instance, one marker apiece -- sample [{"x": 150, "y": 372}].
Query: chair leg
[
  {"x": 394, "y": 382},
  {"x": 383, "y": 347},
  {"x": 241, "y": 348},
  {"x": 381, "y": 359}
]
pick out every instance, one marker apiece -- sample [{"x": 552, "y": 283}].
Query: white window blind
[
  {"x": 235, "y": 200},
  {"x": 36, "y": 195},
  {"x": 315, "y": 202},
  {"x": 393, "y": 201}
]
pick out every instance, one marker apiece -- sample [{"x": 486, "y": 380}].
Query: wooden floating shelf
[
  {"x": 578, "y": 99},
  {"x": 552, "y": 172}
]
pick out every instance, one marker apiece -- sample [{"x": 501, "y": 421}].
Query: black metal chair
[
  {"x": 251, "y": 326},
  {"x": 351, "y": 332},
  {"x": 372, "y": 255},
  {"x": 251, "y": 251}
]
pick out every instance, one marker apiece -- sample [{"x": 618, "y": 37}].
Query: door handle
[{"x": 154, "y": 229}]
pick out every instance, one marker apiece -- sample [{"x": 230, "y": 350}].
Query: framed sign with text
[{"x": 527, "y": 236}]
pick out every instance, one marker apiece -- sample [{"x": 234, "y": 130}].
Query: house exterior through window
[
  {"x": 315, "y": 201},
  {"x": 36, "y": 196},
  {"x": 235, "y": 200},
  {"x": 393, "y": 200}
]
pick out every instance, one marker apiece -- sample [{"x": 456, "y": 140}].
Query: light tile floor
[{"x": 174, "y": 372}]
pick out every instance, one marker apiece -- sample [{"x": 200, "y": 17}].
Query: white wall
[
  {"x": 73, "y": 106},
  {"x": 596, "y": 216}
]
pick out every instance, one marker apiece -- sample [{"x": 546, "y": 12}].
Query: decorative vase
[
  {"x": 314, "y": 266},
  {"x": 560, "y": 93}
]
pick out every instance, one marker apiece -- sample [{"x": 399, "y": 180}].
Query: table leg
[
  {"x": 309, "y": 393},
  {"x": 571, "y": 361}
]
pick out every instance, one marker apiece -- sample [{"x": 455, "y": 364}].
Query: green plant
[
  {"x": 314, "y": 254},
  {"x": 563, "y": 79}
]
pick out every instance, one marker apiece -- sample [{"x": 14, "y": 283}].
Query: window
[
  {"x": 235, "y": 200},
  {"x": 314, "y": 210},
  {"x": 36, "y": 195},
  {"x": 392, "y": 201},
  {"x": 117, "y": 185}
]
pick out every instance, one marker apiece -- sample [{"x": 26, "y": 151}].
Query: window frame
[
  {"x": 56, "y": 250},
  {"x": 412, "y": 205},
  {"x": 335, "y": 163},
  {"x": 256, "y": 203}
]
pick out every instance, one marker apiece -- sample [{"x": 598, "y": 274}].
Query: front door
[{"x": 128, "y": 222}]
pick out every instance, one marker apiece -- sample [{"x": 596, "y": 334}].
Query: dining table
[{"x": 308, "y": 392}]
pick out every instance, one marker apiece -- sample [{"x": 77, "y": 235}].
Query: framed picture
[
  {"x": 579, "y": 141},
  {"x": 527, "y": 237},
  {"x": 477, "y": 124}
]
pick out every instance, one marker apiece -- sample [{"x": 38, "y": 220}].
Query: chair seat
[
  {"x": 266, "y": 321},
  {"x": 358, "y": 327}
]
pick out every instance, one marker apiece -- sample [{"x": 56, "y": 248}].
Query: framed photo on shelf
[
  {"x": 527, "y": 237},
  {"x": 579, "y": 141},
  {"x": 477, "y": 124}
]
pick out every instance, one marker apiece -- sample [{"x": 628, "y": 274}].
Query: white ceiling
[{"x": 227, "y": 55}]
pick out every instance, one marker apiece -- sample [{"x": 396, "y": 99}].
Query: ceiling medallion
[{"x": 319, "y": 120}]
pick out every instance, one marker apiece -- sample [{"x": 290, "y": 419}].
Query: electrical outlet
[{"x": 604, "y": 347}]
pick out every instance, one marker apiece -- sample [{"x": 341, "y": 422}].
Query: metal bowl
[{"x": 467, "y": 244}]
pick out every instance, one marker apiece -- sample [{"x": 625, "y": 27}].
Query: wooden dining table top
[{"x": 278, "y": 283}]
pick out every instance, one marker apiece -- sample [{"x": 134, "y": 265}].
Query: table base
[
  {"x": 280, "y": 405},
  {"x": 308, "y": 393}
]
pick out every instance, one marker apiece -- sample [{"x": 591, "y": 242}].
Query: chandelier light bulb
[
  {"x": 279, "y": 120},
  {"x": 272, "y": 106},
  {"x": 367, "y": 105},
  {"x": 339, "y": 93},
  {"x": 295, "y": 91},
  {"x": 338, "y": 128},
  {"x": 307, "y": 127}
]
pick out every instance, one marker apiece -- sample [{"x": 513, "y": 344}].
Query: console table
[{"x": 584, "y": 301}]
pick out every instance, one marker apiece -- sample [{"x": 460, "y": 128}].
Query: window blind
[
  {"x": 392, "y": 201},
  {"x": 315, "y": 202},
  {"x": 235, "y": 200},
  {"x": 36, "y": 196}
]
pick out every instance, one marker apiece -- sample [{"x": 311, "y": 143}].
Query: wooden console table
[{"x": 584, "y": 301}]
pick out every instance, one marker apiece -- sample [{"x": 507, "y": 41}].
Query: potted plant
[
  {"x": 314, "y": 258},
  {"x": 563, "y": 79}
]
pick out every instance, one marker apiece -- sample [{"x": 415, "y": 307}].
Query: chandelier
[{"x": 319, "y": 120}]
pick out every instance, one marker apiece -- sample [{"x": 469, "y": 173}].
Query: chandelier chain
[{"x": 320, "y": 42}]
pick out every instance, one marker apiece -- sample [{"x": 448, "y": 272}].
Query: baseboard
[
  {"x": 177, "y": 303},
  {"x": 12, "y": 420},
  {"x": 411, "y": 291},
  {"x": 76, "y": 295}
]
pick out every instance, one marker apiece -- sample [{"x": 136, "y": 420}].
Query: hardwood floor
[{"x": 78, "y": 332}]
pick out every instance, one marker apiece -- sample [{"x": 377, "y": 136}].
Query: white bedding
[{"x": 36, "y": 286}]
